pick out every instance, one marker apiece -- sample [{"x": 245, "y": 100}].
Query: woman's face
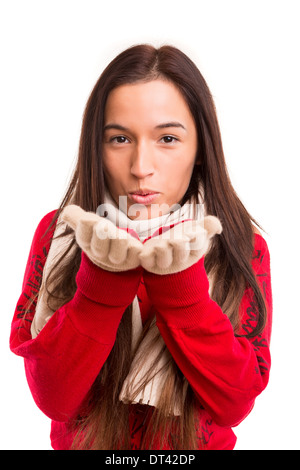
[{"x": 149, "y": 147}]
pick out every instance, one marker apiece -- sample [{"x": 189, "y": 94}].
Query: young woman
[{"x": 145, "y": 313}]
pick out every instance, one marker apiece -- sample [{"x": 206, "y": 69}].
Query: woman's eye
[
  {"x": 119, "y": 139},
  {"x": 168, "y": 139}
]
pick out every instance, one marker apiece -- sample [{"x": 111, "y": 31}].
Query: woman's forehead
[{"x": 157, "y": 102}]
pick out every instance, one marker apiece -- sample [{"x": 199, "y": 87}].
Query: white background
[{"x": 52, "y": 53}]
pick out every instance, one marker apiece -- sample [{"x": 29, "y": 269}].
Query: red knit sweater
[{"x": 226, "y": 372}]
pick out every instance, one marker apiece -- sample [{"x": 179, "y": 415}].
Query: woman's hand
[
  {"x": 107, "y": 246},
  {"x": 179, "y": 247},
  {"x": 171, "y": 250}
]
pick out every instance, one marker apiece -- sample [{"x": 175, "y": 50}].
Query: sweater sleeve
[
  {"x": 226, "y": 371},
  {"x": 62, "y": 362}
]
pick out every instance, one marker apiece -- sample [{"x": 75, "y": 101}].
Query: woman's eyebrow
[
  {"x": 159, "y": 126},
  {"x": 170, "y": 124},
  {"x": 115, "y": 126}
]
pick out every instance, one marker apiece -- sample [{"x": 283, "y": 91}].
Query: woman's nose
[{"x": 142, "y": 161}]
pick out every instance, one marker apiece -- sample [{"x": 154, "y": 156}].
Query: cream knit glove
[
  {"x": 179, "y": 247},
  {"x": 114, "y": 249},
  {"x": 106, "y": 245}
]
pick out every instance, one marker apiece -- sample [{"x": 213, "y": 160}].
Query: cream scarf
[{"x": 132, "y": 391}]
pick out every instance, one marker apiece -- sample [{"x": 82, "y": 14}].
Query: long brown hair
[{"x": 105, "y": 424}]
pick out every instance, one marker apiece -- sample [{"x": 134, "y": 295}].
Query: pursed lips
[{"x": 145, "y": 196}]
